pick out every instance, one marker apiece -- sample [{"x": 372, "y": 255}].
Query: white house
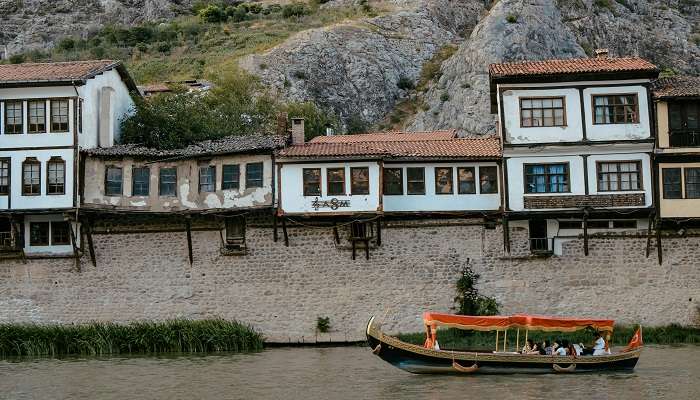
[
  {"x": 392, "y": 172},
  {"x": 577, "y": 144},
  {"x": 47, "y": 112}
]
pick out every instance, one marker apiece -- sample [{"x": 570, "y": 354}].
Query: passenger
[
  {"x": 545, "y": 348},
  {"x": 599, "y": 345},
  {"x": 571, "y": 350},
  {"x": 579, "y": 348},
  {"x": 528, "y": 347},
  {"x": 560, "y": 350}
]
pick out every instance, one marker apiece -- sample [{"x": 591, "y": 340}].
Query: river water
[{"x": 331, "y": 373}]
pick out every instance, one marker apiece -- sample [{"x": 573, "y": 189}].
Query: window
[
  {"x": 624, "y": 224},
  {"x": 56, "y": 182},
  {"x": 359, "y": 180},
  {"x": 619, "y": 176},
  {"x": 616, "y": 109},
  {"x": 415, "y": 180},
  {"x": 466, "y": 182},
  {"x": 60, "y": 233},
  {"x": 547, "y": 178},
  {"x": 231, "y": 177},
  {"x": 13, "y": 117},
  {"x": 393, "y": 181},
  {"x": 598, "y": 224},
  {"x": 684, "y": 123},
  {"x": 254, "y": 175},
  {"x": 37, "y": 116},
  {"x": 167, "y": 182},
  {"x": 672, "y": 183},
  {"x": 488, "y": 180},
  {"x": 113, "y": 181},
  {"x": 31, "y": 177},
  {"x": 4, "y": 176},
  {"x": 542, "y": 112},
  {"x": 312, "y": 181},
  {"x": 59, "y": 115},
  {"x": 336, "y": 181},
  {"x": 569, "y": 224},
  {"x": 692, "y": 183},
  {"x": 235, "y": 233},
  {"x": 38, "y": 233},
  {"x": 140, "y": 181},
  {"x": 443, "y": 180},
  {"x": 207, "y": 179}
]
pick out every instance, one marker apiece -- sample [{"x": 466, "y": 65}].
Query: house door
[{"x": 538, "y": 235}]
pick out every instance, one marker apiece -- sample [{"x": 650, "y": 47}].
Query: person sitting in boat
[
  {"x": 530, "y": 348},
  {"x": 579, "y": 348},
  {"x": 560, "y": 350},
  {"x": 599, "y": 347},
  {"x": 431, "y": 338},
  {"x": 571, "y": 350},
  {"x": 546, "y": 348}
]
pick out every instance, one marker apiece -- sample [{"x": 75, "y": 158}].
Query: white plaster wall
[
  {"x": 433, "y": 202},
  {"x": 516, "y": 185},
  {"x": 19, "y": 202},
  {"x": 292, "y": 197},
  {"x": 516, "y": 135},
  {"x": 52, "y": 250},
  {"x": 641, "y": 130},
  {"x": 121, "y": 101},
  {"x": 645, "y": 175}
]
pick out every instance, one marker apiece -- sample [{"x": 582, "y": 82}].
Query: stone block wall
[{"x": 282, "y": 290}]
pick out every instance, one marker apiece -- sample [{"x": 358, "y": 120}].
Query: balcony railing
[
  {"x": 541, "y": 245},
  {"x": 684, "y": 138},
  {"x": 6, "y": 241}
]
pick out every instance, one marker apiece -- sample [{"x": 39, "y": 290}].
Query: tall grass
[
  {"x": 139, "y": 337},
  {"x": 457, "y": 339}
]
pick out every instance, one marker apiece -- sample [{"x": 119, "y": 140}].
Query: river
[{"x": 330, "y": 373}]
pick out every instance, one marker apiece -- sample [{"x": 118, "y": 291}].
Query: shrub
[
  {"x": 512, "y": 18},
  {"x": 603, "y": 4},
  {"x": 295, "y": 10},
  {"x": 405, "y": 83},
  {"x": 468, "y": 300},
  {"x": 444, "y": 97},
  {"x": 301, "y": 75},
  {"x": 163, "y": 47},
  {"x": 323, "y": 324},
  {"x": 316, "y": 119},
  {"x": 356, "y": 124},
  {"x": 17, "y": 59},
  {"x": 66, "y": 44},
  {"x": 240, "y": 13},
  {"x": 212, "y": 13},
  {"x": 465, "y": 85},
  {"x": 431, "y": 69}
]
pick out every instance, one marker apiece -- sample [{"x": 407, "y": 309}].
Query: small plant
[
  {"x": 468, "y": 300},
  {"x": 323, "y": 324},
  {"x": 17, "y": 59},
  {"x": 295, "y": 10},
  {"x": 262, "y": 66},
  {"x": 300, "y": 75},
  {"x": 511, "y": 18},
  {"x": 212, "y": 13},
  {"x": 444, "y": 97},
  {"x": 604, "y": 4},
  {"x": 465, "y": 85},
  {"x": 405, "y": 83}
]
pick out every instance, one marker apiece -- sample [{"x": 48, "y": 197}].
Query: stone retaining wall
[{"x": 281, "y": 291}]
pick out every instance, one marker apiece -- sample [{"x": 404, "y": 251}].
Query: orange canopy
[{"x": 534, "y": 322}]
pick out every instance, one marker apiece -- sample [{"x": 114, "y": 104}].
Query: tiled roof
[
  {"x": 387, "y": 137},
  {"x": 677, "y": 86},
  {"x": 571, "y": 67},
  {"x": 401, "y": 146},
  {"x": 227, "y": 145},
  {"x": 52, "y": 72}
]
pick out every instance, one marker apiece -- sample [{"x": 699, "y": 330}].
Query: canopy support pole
[
  {"x": 505, "y": 339},
  {"x": 496, "y": 339},
  {"x": 517, "y": 339},
  {"x": 526, "y": 335}
]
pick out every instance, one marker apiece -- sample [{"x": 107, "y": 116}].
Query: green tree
[
  {"x": 468, "y": 300},
  {"x": 356, "y": 124},
  {"x": 212, "y": 13},
  {"x": 316, "y": 119}
]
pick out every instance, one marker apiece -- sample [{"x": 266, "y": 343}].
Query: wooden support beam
[
  {"x": 284, "y": 232},
  {"x": 336, "y": 235},
  {"x": 379, "y": 231},
  {"x": 188, "y": 226},
  {"x": 506, "y": 235},
  {"x": 585, "y": 233},
  {"x": 366, "y": 249},
  {"x": 75, "y": 246},
  {"x": 659, "y": 249},
  {"x": 91, "y": 245},
  {"x": 354, "y": 247},
  {"x": 649, "y": 226},
  {"x": 274, "y": 227}
]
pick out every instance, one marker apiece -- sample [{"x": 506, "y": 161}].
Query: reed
[
  {"x": 102, "y": 338},
  {"x": 457, "y": 339}
]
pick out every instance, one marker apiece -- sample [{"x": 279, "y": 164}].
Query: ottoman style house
[
  {"x": 577, "y": 144},
  {"x": 47, "y": 112}
]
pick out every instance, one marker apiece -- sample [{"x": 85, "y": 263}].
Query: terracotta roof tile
[
  {"x": 401, "y": 146},
  {"x": 677, "y": 86},
  {"x": 570, "y": 66},
  {"x": 54, "y": 72},
  {"x": 387, "y": 136}
]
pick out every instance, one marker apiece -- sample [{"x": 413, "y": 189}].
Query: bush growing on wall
[{"x": 468, "y": 300}]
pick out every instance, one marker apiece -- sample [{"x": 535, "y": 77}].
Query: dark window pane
[
  {"x": 336, "y": 181},
  {"x": 625, "y": 224},
  {"x": 56, "y": 176},
  {"x": 443, "y": 180},
  {"x": 235, "y": 232},
  {"x": 692, "y": 183},
  {"x": 546, "y": 178},
  {"x": 59, "y": 115},
  {"x": 60, "y": 233},
  {"x": 254, "y": 175},
  {"x": 4, "y": 176},
  {"x": 31, "y": 177},
  {"x": 619, "y": 176},
  {"x": 37, "y": 116},
  {"x": 113, "y": 181},
  {"x": 570, "y": 224},
  {"x": 14, "y": 117},
  {"x": 231, "y": 177},
  {"x": 141, "y": 178},
  {"x": 167, "y": 182},
  {"x": 393, "y": 181},
  {"x": 415, "y": 178},
  {"x": 598, "y": 224},
  {"x": 466, "y": 181},
  {"x": 359, "y": 180},
  {"x": 312, "y": 181},
  {"x": 542, "y": 112},
  {"x": 207, "y": 179},
  {"x": 672, "y": 183},
  {"x": 38, "y": 233},
  {"x": 615, "y": 109},
  {"x": 488, "y": 180}
]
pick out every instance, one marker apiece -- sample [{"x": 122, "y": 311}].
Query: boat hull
[{"x": 419, "y": 360}]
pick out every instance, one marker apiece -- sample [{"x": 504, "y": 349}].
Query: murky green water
[{"x": 331, "y": 373}]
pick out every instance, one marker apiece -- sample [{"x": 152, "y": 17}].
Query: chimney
[
  {"x": 601, "y": 53},
  {"x": 297, "y": 131},
  {"x": 281, "y": 129},
  {"x": 329, "y": 130}
]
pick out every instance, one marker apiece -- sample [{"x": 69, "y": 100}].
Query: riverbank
[
  {"x": 181, "y": 336},
  {"x": 455, "y": 338}
]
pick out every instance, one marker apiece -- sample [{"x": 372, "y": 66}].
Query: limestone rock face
[{"x": 354, "y": 68}]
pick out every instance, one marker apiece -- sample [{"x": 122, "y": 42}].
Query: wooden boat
[{"x": 427, "y": 360}]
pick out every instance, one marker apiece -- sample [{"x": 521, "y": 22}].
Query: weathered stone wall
[{"x": 282, "y": 291}]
